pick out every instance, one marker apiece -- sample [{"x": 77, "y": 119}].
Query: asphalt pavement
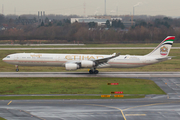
[
  {"x": 86, "y": 74},
  {"x": 152, "y": 107},
  {"x": 136, "y": 109},
  {"x": 83, "y": 48}
]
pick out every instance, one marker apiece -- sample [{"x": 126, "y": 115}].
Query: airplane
[{"x": 78, "y": 61}]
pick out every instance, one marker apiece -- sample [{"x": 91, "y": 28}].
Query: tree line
[{"x": 59, "y": 31}]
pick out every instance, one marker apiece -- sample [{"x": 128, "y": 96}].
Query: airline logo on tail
[{"x": 164, "y": 50}]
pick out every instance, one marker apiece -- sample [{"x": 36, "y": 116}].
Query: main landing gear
[
  {"x": 93, "y": 71},
  {"x": 17, "y": 69}
]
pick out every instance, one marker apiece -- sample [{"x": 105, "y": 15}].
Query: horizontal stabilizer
[{"x": 165, "y": 58}]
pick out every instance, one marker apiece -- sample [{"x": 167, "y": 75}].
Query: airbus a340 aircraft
[{"x": 78, "y": 61}]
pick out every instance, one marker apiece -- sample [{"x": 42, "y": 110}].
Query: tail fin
[{"x": 163, "y": 49}]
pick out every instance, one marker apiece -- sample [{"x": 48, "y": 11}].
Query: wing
[
  {"x": 104, "y": 60},
  {"x": 97, "y": 61}
]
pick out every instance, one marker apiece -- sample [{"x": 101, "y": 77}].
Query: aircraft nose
[{"x": 3, "y": 59}]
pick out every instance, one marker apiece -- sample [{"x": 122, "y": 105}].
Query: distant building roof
[
  {"x": 128, "y": 23},
  {"x": 92, "y": 20},
  {"x": 101, "y": 21}
]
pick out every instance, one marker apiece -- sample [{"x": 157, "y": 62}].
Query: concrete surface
[
  {"x": 86, "y": 74},
  {"x": 152, "y": 107},
  {"x": 138, "y": 109},
  {"x": 83, "y": 48},
  {"x": 41, "y": 44}
]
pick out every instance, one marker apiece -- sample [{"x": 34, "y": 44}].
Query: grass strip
[
  {"x": 64, "y": 97},
  {"x": 92, "y": 85},
  {"x": 2, "y": 118}
]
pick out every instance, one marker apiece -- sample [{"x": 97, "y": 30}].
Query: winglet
[
  {"x": 114, "y": 54},
  {"x": 118, "y": 54}
]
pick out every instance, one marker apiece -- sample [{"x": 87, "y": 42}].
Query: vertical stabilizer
[{"x": 163, "y": 49}]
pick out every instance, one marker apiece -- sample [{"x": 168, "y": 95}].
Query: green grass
[
  {"x": 64, "y": 97},
  {"x": 77, "y": 86},
  {"x": 93, "y": 45},
  {"x": 2, "y": 118},
  {"x": 170, "y": 65}
]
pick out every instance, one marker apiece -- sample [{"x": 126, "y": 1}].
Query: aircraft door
[
  {"x": 58, "y": 58},
  {"x": 15, "y": 57}
]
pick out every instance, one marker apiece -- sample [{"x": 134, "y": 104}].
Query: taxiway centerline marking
[
  {"x": 110, "y": 107},
  {"x": 9, "y": 103}
]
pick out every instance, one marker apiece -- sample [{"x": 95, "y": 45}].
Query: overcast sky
[{"x": 92, "y": 7}]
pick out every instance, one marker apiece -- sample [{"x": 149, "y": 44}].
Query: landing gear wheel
[
  {"x": 16, "y": 68},
  {"x": 96, "y": 72},
  {"x": 91, "y": 72}
]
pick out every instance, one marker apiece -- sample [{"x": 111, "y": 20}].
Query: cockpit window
[{"x": 8, "y": 57}]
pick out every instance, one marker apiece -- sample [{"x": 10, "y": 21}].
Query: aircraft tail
[{"x": 163, "y": 49}]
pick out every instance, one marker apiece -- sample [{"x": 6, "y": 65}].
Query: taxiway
[
  {"x": 82, "y": 48},
  {"x": 152, "y": 107},
  {"x": 138, "y": 109},
  {"x": 86, "y": 74}
]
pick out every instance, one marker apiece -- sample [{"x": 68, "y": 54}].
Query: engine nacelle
[
  {"x": 87, "y": 64},
  {"x": 71, "y": 66}
]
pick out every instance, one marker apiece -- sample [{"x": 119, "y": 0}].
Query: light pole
[
  {"x": 105, "y": 8},
  {"x": 132, "y": 18}
]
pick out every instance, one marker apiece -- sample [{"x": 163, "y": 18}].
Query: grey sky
[{"x": 67, "y": 7}]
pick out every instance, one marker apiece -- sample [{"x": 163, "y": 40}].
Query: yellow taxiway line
[
  {"x": 9, "y": 103},
  {"x": 110, "y": 107}
]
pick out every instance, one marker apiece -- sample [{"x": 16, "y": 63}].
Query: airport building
[
  {"x": 87, "y": 20},
  {"x": 101, "y": 20}
]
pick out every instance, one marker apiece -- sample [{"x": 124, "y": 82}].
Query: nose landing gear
[{"x": 16, "y": 68}]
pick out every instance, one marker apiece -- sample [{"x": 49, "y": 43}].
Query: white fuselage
[
  {"x": 78, "y": 61},
  {"x": 41, "y": 59}
]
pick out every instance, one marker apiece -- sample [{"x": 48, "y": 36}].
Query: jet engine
[
  {"x": 87, "y": 64},
  {"x": 71, "y": 66}
]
